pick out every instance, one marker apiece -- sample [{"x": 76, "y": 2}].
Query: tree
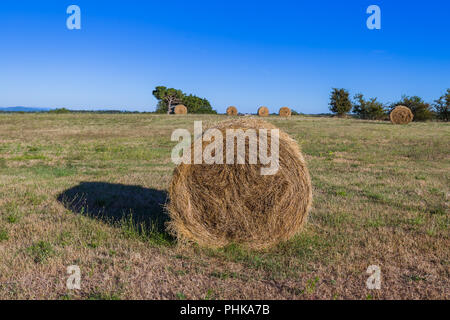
[
  {"x": 168, "y": 98},
  {"x": 442, "y": 106},
  {"x": 195, "y": 104},
  {"x": 60, "y": 110},
  {"x": 340, "y": 102},
  {"x": 161, "y": 107},
  {"x": 422, "y": 111},
  {"x": 371, "y": 109}
]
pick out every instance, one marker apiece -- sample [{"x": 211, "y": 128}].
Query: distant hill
[{"x": 23, "y": 109}]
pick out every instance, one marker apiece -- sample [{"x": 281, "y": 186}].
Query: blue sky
[{"x": 242, "y": 53}]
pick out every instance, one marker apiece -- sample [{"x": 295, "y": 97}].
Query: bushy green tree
[
  {"x": 60, "y": 110},
  {"x": 340, "y": 102},
  {"x": 168, "y": 98},
  {"x": 161, "y": 107},
  {"x": 368, "y": 109},
  {"x": 422, "y": 111},
  {"x": 195, "y": 104},
  {"x": 442, "y": 106}
]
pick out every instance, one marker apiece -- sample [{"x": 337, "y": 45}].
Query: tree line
[{"x": 341, "y": 104}]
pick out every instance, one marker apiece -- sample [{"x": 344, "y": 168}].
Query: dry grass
[
  {"x": 89, "y": 190},
  {"x": 221, "y": 204}
]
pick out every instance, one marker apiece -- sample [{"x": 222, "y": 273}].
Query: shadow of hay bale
[{"x": 116, "y": 203}]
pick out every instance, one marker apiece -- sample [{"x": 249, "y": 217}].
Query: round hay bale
[
  {"x": 232, "y": 111},
  {"x": 180, "y": 109},
  {"x": 285, "y": 112},
  {"x": 263, "y": 112},
  {"x": 401, "y": 115},
  {"x": 215, "y": 205}
]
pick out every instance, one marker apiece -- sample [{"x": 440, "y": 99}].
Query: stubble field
[{"x": 89, "y": 190}]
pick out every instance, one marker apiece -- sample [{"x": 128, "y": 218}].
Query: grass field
[{"x": 89, "y": 190}]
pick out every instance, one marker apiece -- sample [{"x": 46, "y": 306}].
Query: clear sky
[{"x": 242, "y": 53}]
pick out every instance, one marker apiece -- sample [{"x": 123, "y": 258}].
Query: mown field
[{"x": 89, "y": 190}]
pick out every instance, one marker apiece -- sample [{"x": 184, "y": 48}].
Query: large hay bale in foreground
[
  {"x": 285, "y": 112},
  {"x": 218, "y": 204},
  {"x": 401, "y": 115},
  {"x": 180, "y": 109},
  {"x": 232, "y": 111},
  {"x": 263, "y": 112}
]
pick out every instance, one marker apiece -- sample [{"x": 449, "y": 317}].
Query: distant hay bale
[
  {"x": 263, "y": 112},
  {"x": 215, "y": 205},
  {"x": 285, "y": 112},
  {"x": 232, "y": 111},
  {"x": 401, "y": 115},
  {"x": 180, "y": 109}
]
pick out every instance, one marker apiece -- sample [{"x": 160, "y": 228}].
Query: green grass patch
[
  {"x": 27, "y": 157},
  {"x": 41, "y": 251},
  {"x": 181, "y": 296},
  {"x": 47, "y": 171},
  {"x": 96, "y": 295},
  {"x": 4, "y": 235},
  {"x": 152, "y": 232}
]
